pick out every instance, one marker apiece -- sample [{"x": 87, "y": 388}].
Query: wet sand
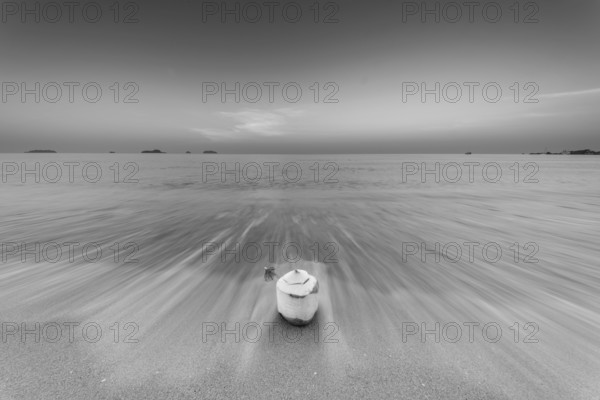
[{"x": 177, "y": 293}]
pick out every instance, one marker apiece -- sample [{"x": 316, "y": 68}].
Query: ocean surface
[{"x": 176, "y": 249}]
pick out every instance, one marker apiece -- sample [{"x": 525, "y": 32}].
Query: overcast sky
[{"x": 369, "y": 67}]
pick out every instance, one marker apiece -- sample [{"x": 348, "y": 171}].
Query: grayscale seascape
[{"x": 300, "y": 200}]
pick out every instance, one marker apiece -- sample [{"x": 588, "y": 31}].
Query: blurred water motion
[{"x": 368, "y": 292}]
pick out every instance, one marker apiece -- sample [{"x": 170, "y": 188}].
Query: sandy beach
[{"x": 169, "y": 321}]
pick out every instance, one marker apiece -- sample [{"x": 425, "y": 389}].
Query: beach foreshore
[{"x": 182, "y": 323}]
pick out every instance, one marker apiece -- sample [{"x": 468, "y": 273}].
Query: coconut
[{"x": 297, "y": 300}]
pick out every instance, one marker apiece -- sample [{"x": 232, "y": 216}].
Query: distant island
[
  {"x": 572, "y": 152},
  {"x": 584, "y": 152},
  {"x": 155, "y": 151},
  {"x": 40, "y": 151},
  {"x": 210, "y": 152},
  {"x": 188, "y": 152}
]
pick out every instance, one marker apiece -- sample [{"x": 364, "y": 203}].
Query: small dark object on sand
[{"x": 270, "y": 273}]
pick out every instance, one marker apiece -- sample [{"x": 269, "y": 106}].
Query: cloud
[
  {"x": 253, "y": 121},
  {"x": 214, "y": 133},
  {"x": 571, "y": 94},
  {"x": 257, "y": 121}
]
